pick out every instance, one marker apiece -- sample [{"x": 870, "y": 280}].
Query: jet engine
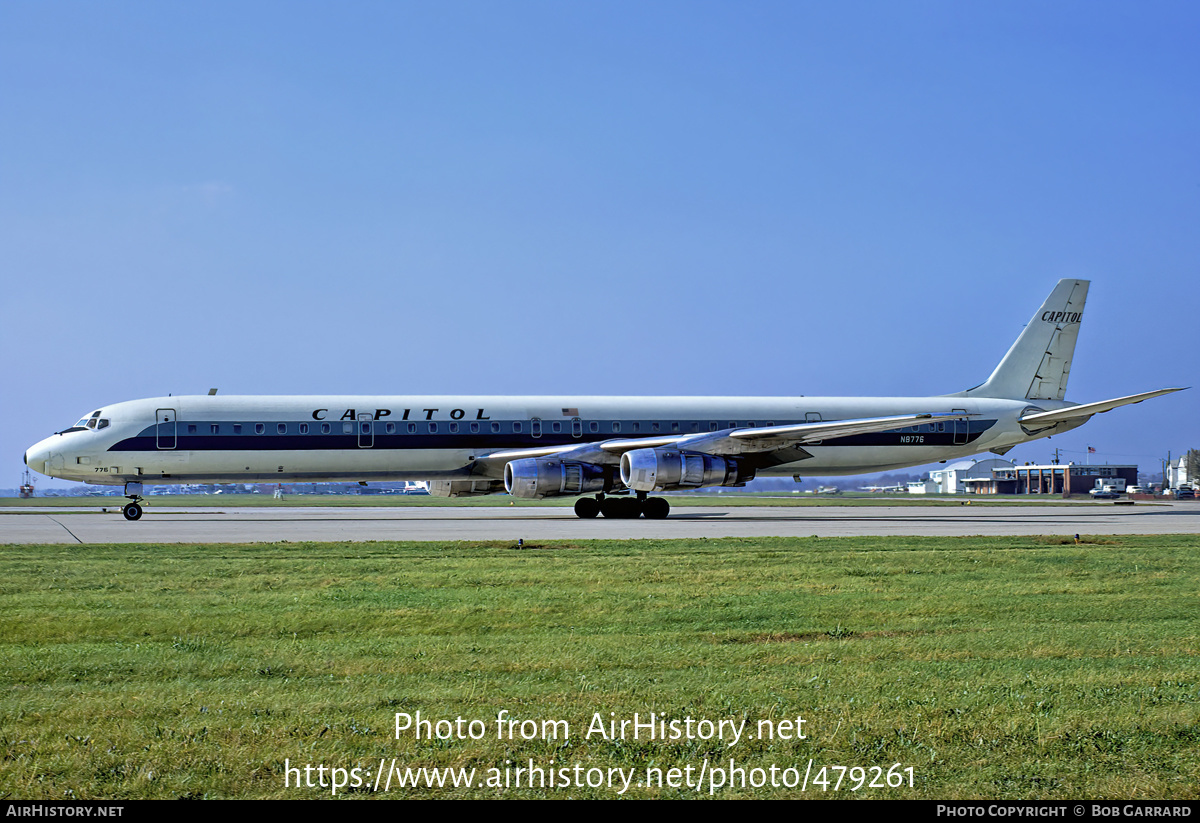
[
  {"x": 649, "y": 470},
  {"x": 548, "y": 477}
]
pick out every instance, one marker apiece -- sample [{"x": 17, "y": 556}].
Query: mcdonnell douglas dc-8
[{"x": 610, "y": 452}]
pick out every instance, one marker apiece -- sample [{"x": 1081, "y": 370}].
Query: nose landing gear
[{"x": 133, "y": 509}]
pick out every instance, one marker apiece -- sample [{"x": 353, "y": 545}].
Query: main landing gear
[
  {"x": 623, "y": 508},
  {"x": 133, "y": 509}
]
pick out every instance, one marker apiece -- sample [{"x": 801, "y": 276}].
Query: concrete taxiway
[{"x": 250, "y": 525}]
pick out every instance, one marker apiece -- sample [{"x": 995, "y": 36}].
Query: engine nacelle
[
  {"x": 538, "y": 477},
  {"x": 464, "y": 488},
  {"x": 652, "y": 470}
]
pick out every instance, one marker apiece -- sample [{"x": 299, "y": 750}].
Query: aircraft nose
[{"x": 37, "y": 457}]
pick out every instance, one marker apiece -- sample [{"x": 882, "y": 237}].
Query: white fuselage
[{"x": 232, "y": 439}]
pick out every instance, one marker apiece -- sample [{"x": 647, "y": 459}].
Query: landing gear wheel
[
  {"x": 631, "y": 509},
  {"x": 587, "y": 507},
  {"x": 656, "y": 508},
  {"x": 132, "y": 511},
  {"x": 621, "y": 508}
]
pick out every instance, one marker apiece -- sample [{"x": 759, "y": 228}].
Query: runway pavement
[{"x": 248, "y": 525}]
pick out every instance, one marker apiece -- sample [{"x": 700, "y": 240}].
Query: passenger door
[{"x": 165, "y": 433}]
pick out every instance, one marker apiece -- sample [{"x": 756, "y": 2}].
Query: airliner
[{"x": 610, "y": 453}]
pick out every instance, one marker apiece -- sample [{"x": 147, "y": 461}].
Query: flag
[{"x": 1091, "y": 450}]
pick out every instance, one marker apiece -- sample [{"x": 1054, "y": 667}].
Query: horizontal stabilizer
[{"x": 1051, "y": 418}]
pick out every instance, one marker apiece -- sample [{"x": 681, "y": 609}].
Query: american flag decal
[{"x": 570, "y": 412}]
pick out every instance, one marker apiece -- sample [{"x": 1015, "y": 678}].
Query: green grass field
[{"x": 989, "y": 667}]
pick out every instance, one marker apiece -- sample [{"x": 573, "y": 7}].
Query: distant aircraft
[{"x": 536, "y": 447}]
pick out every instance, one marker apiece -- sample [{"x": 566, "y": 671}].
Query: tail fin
[{"x": 1038, "y": 364}]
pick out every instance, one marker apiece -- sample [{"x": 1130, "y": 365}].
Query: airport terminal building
[{"x": 1057, "y": 478}]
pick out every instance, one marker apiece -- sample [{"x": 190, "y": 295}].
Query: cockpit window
[
  {"x": 102, "y": 424},
  {"x": 92, "y": 421}
]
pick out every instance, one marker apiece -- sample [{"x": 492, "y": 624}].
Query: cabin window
[
  {"x": 260, "y": 428},
  {"x": 389, "y": 428},
  {"x": 304, "y": 428},
  {"x": 712, "y": 426},
  {"x": 281, "y": 428},
  {"x": 237, "y": 428},
  {"x": 556, "y": 427},
  {"x": 616, "y": 426},
  {"x": 325, "y": 428},
  {"x": 517, "y": 426},
  {"x": 454, "y": 428},
  {"x": 214, "y": 428},
  {"x": 412, "y": 428},
  {"x": 495, "y": 427},
  {"x": 941, "y": 427},
  {"x": 474, "y": 428},
  {"x": 433, "y": 428},
  {"x": 594, "y": 426},
  {"x": 191, "y": 428}
]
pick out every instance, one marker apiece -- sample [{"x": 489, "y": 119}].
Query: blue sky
[{"x": 603, "y": 198}]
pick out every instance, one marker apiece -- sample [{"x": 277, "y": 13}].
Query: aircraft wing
[
  {"x": 731, "y": 441},
  {"x": 779, "y": 438},
  {"x": 802, "y": 434},
  {"x": 521, "y": 454},
  {"x": 1051, "y": 418}
]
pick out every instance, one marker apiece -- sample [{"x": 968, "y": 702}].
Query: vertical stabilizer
[{"x": 1038, "y": 364}]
